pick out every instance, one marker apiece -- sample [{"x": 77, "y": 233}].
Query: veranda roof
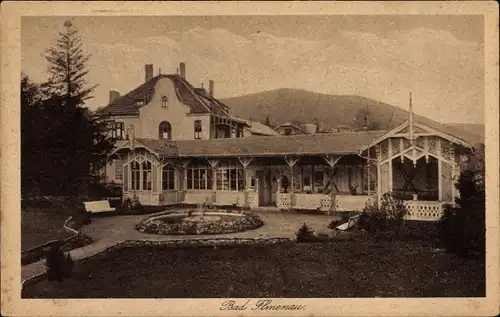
[{"x": 343, "y": 143}]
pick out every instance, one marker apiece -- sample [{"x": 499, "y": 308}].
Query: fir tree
[
  {"x": 68, "y": 142},
  {"x": 68, "y": 67}
]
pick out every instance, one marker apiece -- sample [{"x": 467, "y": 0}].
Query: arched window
[
  {"x": 135, "y": 170},
  {"x": 147, "y": 178},
  {"x": 164, "y": 101},
  {"x": 165, "y": 131}
]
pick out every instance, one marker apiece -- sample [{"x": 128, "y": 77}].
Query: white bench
[
  {"x": 350, "y": 223},
  {"x": 98, "y": 206}
]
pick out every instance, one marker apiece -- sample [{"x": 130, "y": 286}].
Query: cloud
[
  {"x": 444, "y": 73},
  {"x": 117, "y": 47}
]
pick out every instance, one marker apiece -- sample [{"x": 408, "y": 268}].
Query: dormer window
[
  {"x": 197, "y": 129},
  {"x": 164, "y": 101},
  {"x": 140, "y": 103}
]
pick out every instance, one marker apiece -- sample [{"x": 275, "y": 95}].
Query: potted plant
[{"x": 353, "y": 188}]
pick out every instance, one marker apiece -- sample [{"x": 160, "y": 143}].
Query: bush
[
  {"x": 35, "y": 202},
  {"x": 59, "y": 264},
  {"x": 386, "y": 221},
  {"x": 131, "y": 206},
  {"x": 462, "y": 228},
  {"x": 305, "y": 234}
]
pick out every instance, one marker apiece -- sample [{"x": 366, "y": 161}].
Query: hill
[
  {"x": 470, "y": 127},
  {"x": 283, "y": 105}
]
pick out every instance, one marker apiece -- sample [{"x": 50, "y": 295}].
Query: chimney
[
  {"x": 113, "y": 95},
  {"x": 211, "y": 87},
  {"x": 148, "y": 68},
  {"x": 182, "y": 69}
]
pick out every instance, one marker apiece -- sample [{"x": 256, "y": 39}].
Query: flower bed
[{"x": 196, "y": 223}]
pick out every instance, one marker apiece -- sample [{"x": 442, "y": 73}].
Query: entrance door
[{"x": 264, "y": 187}]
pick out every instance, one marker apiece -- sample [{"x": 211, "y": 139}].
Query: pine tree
[
  {"x": 72, "y": 141},
  {"x": 68, "y": 67}
]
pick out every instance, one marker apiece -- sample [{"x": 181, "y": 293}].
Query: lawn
[
  {"x": 39, "y": 227},
  {"x": 334, "y": 269},
  {"x": 43, "y": 220}
]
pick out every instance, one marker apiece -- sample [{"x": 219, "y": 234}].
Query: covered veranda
[
  {"x": 419, "y": 165},
  {"x": 315, "y": 172}
]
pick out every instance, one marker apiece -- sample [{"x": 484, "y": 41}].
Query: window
[
  {"x": 117, "y": 130},
  {"x": 307, "y": 182},
  {"x": 318, "y": 181},
  {"x": 287, "y": 131},
  {"x": 146, "y": 175},
  {"x": 343, "y": 176},
  {"x": 222, "y": 131},
  {"x": 230, "y": 177},
  {"x": 118, "y": 169},
  {"x": 297, "y": 179},
  {"x": 164, "y": 101},
  {"x": 239, "y": 131},
  {"x": 199, "y": 178},
  {"x": 165, "y": 131},
  {"x": 168, "y": 178},
  {"x": 135, "y": 169},
  {"x": 197, "y": 129}
]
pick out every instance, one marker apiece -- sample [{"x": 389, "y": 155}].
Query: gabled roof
[
  {"x": 308, "y": 144},
  {"x": 293, "y": 125},
  {"x": 257, "y": 127},
  {"x": 200, "y": 102},
  {"x": 453, "y": 135}
]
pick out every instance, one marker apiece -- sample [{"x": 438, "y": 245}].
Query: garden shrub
[
  {"x": 385, "y": 222},
  {"x": 35, "y": 202},
  {"x": 131, "y": 206},
  {"x": 462, "y": 228},
  {"x": 59, "y": 264},
  {"x": 305, "y": 234}
]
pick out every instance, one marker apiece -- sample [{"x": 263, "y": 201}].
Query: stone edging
[{"x": 34, "y": 252}]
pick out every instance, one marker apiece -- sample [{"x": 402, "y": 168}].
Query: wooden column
[
  {"x": 245, "y": 161},
  {"x": 291, "y": 161},
  {"x": 213, "y": 164},
  {"x": 257, "y": 180},
  {"x": 389, "y": 152},
  {"x": 332, "y": 160},
  {"x": 181, "y": 188},
  {"x": 379, "y": 181},
  {"x": 440, "y": 176}
]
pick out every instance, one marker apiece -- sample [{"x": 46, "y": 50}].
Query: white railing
[
  {"x": 228, "y": 198},
  {"x": 252, "y": 199},
  {"x": 284, "y": 201},
  {"x": 197, "y": 197},
  {"x": 351, "y": 202},
  {"x": 147, "y": 198},
  {"x": 312, "y": 201},
  {"x": 424, "y": 210}
]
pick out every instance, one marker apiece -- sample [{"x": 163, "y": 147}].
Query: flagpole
[
  {"x": 132, "y": 147},
  {"x": 410, "y": 120}
]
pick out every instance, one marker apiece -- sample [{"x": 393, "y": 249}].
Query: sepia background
[
  {"x": 381, "y": 57},
  {"x": 15, "y": 43}
]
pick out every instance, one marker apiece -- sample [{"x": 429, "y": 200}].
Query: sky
[{"x": 440, "y": 59}]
